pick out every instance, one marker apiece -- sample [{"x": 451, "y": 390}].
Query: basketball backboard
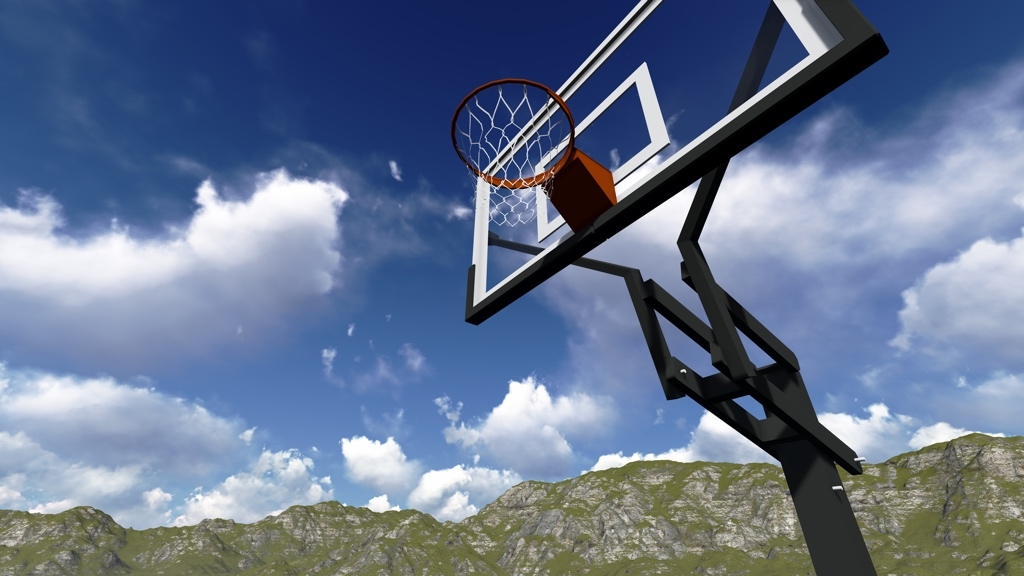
[{"x": 675, "y": 91}]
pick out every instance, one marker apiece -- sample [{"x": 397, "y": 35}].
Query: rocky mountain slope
[{"x": 954, "y": 508}]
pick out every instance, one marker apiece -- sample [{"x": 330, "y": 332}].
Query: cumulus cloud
[
  {"x": 68, "y": 441},
  {"x": 396, "y": 171},
  {"x": 712, "y": 441},
  {"x": 9, "y": 496},
  {"x": 878, "y": 437},
  {"x": 883, "y": 434},
  {"x": 108, "y": 423},
  {"x": 41, "y": 481},
  {"x": 156, "y": 499},
  {"x": 185, "y": 289},
  {"x": 941, "y": 432},
  {"x": 157, "y": 504},
  {"x": 381, "y": 504},
  {"x": 529, "y": 431},
  {"x": 455, "y": 493},
  {"x": 447, "y": 494},
  {"x": 381, "y": 465},
  {"x": 277, "y": 480},
  {"x": 971, "y": 303},
  {"x": 351, "y": 330}
]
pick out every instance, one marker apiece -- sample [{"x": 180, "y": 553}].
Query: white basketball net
[{"x": 512, "y": 132}]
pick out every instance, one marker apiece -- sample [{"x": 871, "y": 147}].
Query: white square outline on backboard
[
  {"x": 811, "y": 27},
  {"x": 657, "y": 131}
]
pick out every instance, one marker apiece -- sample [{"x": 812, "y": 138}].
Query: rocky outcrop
[{"x": 954, "y": 508}]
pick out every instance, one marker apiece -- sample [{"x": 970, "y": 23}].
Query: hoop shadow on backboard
[{"x": 839, "y": 44}]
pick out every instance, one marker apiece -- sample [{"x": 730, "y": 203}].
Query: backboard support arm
[{"x": 790, "y": 432}]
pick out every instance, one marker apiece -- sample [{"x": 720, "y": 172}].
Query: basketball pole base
[{"x": 581, "y": 191}]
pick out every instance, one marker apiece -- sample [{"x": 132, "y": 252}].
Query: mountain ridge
[{"x": 950, "y": 508}]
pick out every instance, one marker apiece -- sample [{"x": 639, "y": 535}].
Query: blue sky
[{"x": 233, "y": 253}]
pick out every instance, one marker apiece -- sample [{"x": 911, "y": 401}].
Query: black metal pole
[{"x": 833, "y": 537}]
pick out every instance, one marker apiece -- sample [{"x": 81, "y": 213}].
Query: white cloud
[
  {"x": 414, "y": 359},
  {"x": 1002, "y": 387},
  {"x": 9, "y": 496},
  {"x": 55, "y": 507},
  {"x": 381, "y": 504},
  {"x": 883, "y": 434},
  {"x": 941, "y": 432},
  {"x": 879, "y": 436},
  {"x": 458, "y": 212},
  {"x": 381, "y": 465},
  {"x": 247, "y": 435},
  {"x": 156, "y": 499},
  {"x": 712, "y": 441},
  {"x": 456, "y": 507},
  {"x": 529, "y": 430},
  {"x": 396, "y": 171},
  {"x": 68, "y": 441},
  {"x": 972, "y": 303},
  {"x": 447, "y": 494},
  {"x": 106, "y": 423},
  {"x": 157, "y": 504},
  {"x": 447, "y": 409},
  {"x": 276, "y": 481},
  {"x": 43, "y": 481},
  {"x": 351, "y": 329},
  {"x": 327, "y": 356},
  {"x": 185, "y": 289}
]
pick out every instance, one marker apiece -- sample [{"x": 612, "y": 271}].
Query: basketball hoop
[
  {"x": 516, "y": 135},
  {"x": 509, "y": 128}
]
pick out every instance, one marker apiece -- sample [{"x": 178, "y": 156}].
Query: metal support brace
[
  {"x": 732, "y": 359},
  {"x": 790, "y": 432},
  {"x": 753, "y": 329}
]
